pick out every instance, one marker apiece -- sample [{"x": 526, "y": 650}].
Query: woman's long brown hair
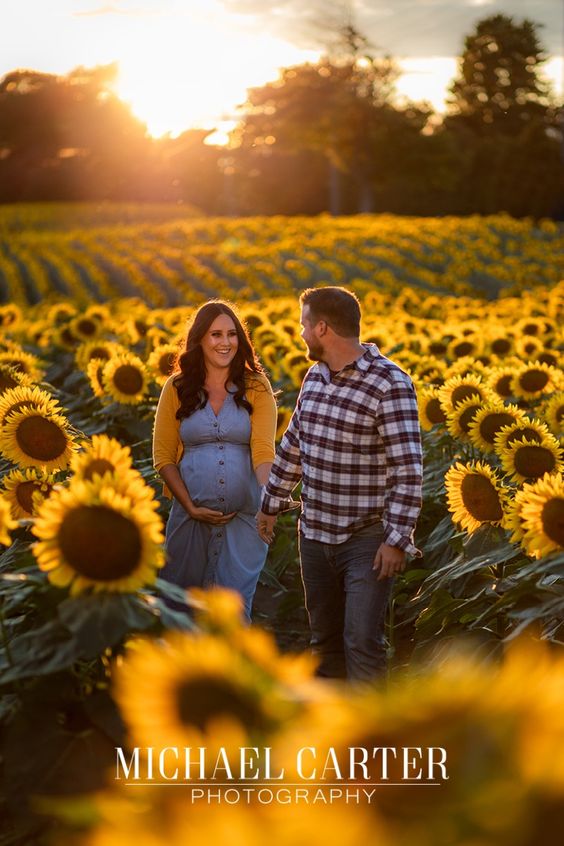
[{"x": 191, "y": 369}]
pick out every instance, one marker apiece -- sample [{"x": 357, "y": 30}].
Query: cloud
[{"x": 402, "y": 28}]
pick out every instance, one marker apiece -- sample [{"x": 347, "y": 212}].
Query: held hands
[
  {"x": 389, "y": 560},
  {"x": 265, "y": 526},
  {"x": 208, "y": 515}
]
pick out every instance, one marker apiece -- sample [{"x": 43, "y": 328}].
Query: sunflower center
[
  {"x": 202, "y": 699},
  {"x": 467, "y": 416},
  {"x": 463, "y": 348},
  {"x": 98, "y": 465},
  {"x": 480, "y": 498},
  {"x": 24, "y": 495},
  {"x": 434, "y": 411},
  {"x": 553, "y": 520},
  {"x": 548, "y": 358},
  {"x": 99, "y": 543},
  {"x": 464, "y": 392},
  {"x": 128, "y": 379},
  {"x": 40, "y": 438},
  {"x": 87, "y": 327},
  {"x": 99, "y": 352},
  {"x": 523, "y": 432},
  {"x": 501, "y": 346},
  {"x": 533, "y": 461},
  {"x": 166, "y": 362},
  {"x": 17, "y": 365},
  {"x": 492, "y": 423},
  {"x": 503, "y": 386},
  {"x": 534, "y": 380},
  {"x": 437, "y": 348}
]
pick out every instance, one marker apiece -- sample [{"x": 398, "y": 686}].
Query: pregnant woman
[{"x": 213, "y": 445}]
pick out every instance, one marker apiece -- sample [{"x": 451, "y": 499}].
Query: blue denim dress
[{"x": 217, "y": 470}]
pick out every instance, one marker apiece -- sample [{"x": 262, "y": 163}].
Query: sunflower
[
  {"x": 101, "y": 350},
  {"x": 34, "y": 438},
  {"x": 475, "y": 495},
  {"x": 201, "y": 691},
  {"x": 125, "y": 379},
  {"x": 460, "y": 418},
  {"x": 533, "y": 430},
  {"x": 161, "y": 362},
  {"x": 554, "y": 413},
  {"x": 526, "y": 459},
  {"x": 94, "y": 536},
  {"x": 61, "y": 313},
  {"x": 528, "y": 347},
  {"x": 22, "y": 362},
  {"x": 460, "y": 347},
  {"x": 85, "y": 327},
  {"x": 430, "y": 411},
  {"x": 501, "y": 344},
  {"x": 95, "y": 372},
  {"x": 103, "y": 455},
  {"x": 489, "y": 421},
  {"x": 10, "y": 378},
  {"x": 10, "y": 316},
  {"x": 7, "y": 523},
  {"x": 537, "y": 516},
  {"x": 499, "y": 380},
  {"x": 26, "y": 489},
  {"x": 534, "y": 379},
  {"x": 15, "y": 399},
  {"x": 459, "y": 388}
]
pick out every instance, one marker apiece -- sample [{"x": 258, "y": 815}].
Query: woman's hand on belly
[{"x": 209, "y": 515}]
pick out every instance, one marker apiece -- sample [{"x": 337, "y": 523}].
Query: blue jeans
[{"x": 346, "y": 605}]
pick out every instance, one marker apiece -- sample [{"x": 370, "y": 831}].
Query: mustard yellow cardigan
[{"x": 168, "y": 446}]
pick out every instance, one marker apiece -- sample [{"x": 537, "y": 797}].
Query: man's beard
[{"x": 315, "y": 352}]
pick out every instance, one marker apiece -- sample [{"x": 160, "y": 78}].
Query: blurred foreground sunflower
[
  {"x": 192, "y": 691},
  {"x": 536, "y": 516},
  {"x": 92, "y": 536},
  {"x": 475, "y": 495},
  {"x": 34, "y": 438}
]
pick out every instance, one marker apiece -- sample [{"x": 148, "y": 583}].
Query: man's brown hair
[{"x": 338, "y": 307}]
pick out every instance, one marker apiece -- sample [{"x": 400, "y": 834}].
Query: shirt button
[
  {"x": 221, "y": 446},
  {"x": 220, "y": 534}
]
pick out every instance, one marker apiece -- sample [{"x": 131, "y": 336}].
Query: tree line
[{"x": 328, "y": 136}]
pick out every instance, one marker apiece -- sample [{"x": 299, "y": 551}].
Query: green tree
[{"x": 499, "y": 88}]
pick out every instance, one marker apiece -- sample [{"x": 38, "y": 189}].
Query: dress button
[
  {"x": 222, "y": 499},
  {"x": 221, "y": 446},
  {"x": 222, "y": 462},
  {"x": 215, "y": 425},
  {"x": 222, "y": 481},
  {"x": 220, "y": 534}
]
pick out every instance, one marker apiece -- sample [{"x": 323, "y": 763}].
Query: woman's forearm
[
  {"x": 173, "y": 480},
  {"x": 262, "y": 472}
]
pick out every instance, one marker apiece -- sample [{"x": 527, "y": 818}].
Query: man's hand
[
  {"x": 389, "y": 560},
  {"x": 265, "y": 526}
]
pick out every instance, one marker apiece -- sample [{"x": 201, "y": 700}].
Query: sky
[{"x": 185, "y": 63}]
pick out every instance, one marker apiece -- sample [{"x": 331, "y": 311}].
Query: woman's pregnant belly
[{"x": 220, "y": 476}]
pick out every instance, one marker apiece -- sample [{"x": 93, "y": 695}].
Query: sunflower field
[{"x": 95, "y": 653}]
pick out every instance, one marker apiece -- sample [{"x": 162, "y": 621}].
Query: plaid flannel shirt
[{"x": 354, "y": 442}]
